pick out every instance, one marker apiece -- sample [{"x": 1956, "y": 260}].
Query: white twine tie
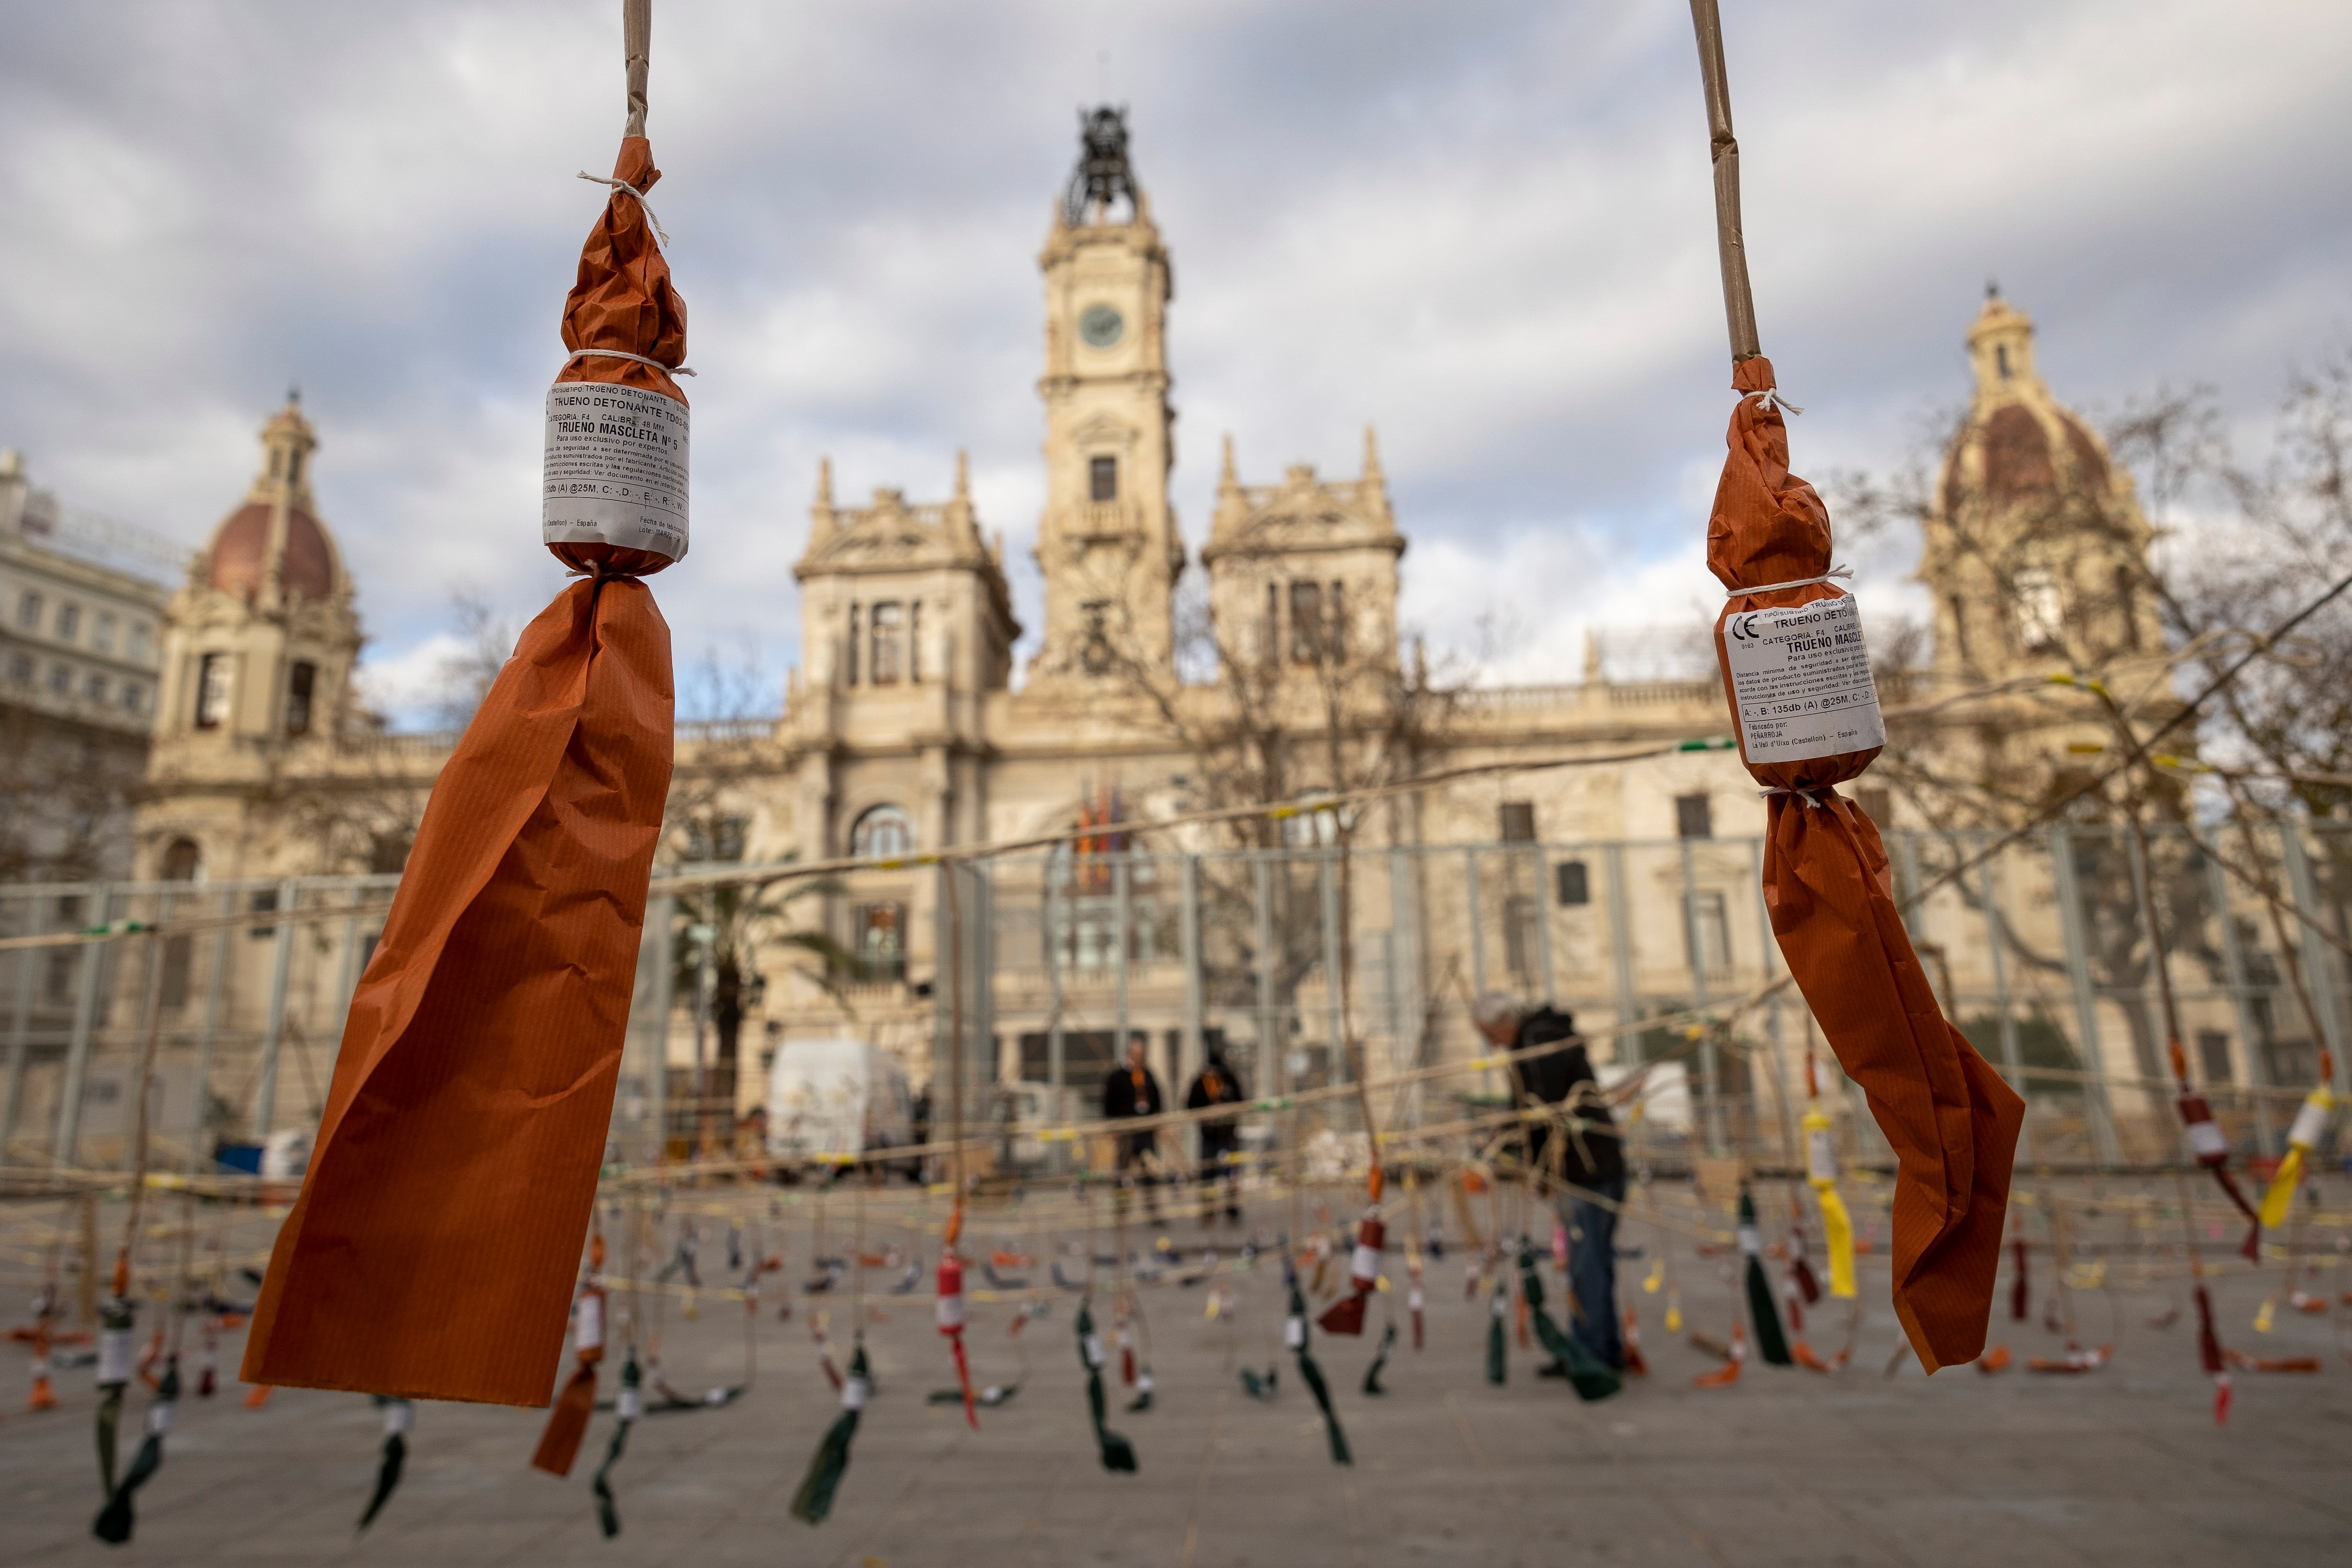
[
  {"x": 659, "y": 233},
  {"x": 1846, "y": 572},
  {"x": 624, "y": 353},
  {"x": 1768, "y": 399},
  {"x": 1804, "y": 794}
]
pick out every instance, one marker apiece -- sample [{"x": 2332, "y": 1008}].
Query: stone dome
[{"x": 240, "y": 551}]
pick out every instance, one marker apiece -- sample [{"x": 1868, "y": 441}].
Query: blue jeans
[{"x": 1592, "y": 1269}]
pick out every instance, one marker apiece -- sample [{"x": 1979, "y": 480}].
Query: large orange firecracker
[
  {"x": 433, "y": 1250},
  {"x": 1791, "y": 648}
]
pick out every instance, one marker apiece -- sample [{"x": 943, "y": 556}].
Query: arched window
[
  {"x": 882, "y": 832},
  {"x": 180, "y": 861}
]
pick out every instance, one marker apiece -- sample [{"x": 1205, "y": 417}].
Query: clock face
[{"x": 1101, "y": 326}]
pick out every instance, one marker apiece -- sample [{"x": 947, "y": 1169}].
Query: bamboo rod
[
  {"x": 1739, "y": 301},
  {"x": 637, "y": 42}
]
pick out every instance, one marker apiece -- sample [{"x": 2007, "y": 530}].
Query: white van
[{"x": 835, "y": 1099}]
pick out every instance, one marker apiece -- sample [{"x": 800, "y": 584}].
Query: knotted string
[
  {"x": 659, "y": 233},
  {"x": 624, "y": 353},
  {"x": 1798, "y": 583}
]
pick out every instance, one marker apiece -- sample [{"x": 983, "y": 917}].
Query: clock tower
[{"x": 1107, "y": 543}]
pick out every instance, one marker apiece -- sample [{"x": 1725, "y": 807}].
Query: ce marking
[{"x": 1743, "y": 627}]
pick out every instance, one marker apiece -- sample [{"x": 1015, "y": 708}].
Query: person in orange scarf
[
  {"x": 1217, "y": 1084},
  {"x": 1130, "y": 1090}
]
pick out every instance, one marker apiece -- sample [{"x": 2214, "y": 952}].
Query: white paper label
[
  {"x": 950, "y": 1314},
  {"x": 398, "y": 1417},
  {"x": 2206, "y": 1141},
  {"x": 1294, "y": 1332},
  {"x": 113, "y": 1357},
  {"x": 2310, "y": 1127},
  {"x": 159, "y": 1417},
  {"x": 590, "y": 1333},
  {"x": 1800, "y": 681},
  {"x": 1092, "y": 1347},
  {"x": 631, "y": 1403},
  {"x": 1750, "y": 1244},
  {"x": 1366, "y": 1264},
  {"x": 1821, "y": 1156},
  {"x": 1502, "y": 1304},
  {"x": 615, "y": 468},
  {"x": 854, "y": 1394}
]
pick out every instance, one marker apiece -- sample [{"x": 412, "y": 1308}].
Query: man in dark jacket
[
  {"x": 1131, "y": 1089},
  {"x": 1220, "y": 1136},
  {"x": 1587, "y": 1168}
]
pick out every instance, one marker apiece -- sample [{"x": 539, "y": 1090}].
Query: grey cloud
[{"x": 1483, "y": 226}]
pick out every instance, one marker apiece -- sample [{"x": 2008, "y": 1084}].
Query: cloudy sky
[{"x": 1484, "y": 226}]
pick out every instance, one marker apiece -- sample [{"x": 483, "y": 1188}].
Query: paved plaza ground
[{"x": 2121, "y": 1467}]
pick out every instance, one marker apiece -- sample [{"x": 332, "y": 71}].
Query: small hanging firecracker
[
  {"x": 399, "y": 1415},
  {"x": 1380, "y": 1360},
  {"x": 1728, "y": 1373},
  {"x": 1345, "y": 1316},
  {"x": 2020, "y": 1294},
  {"x": 567, "y": 1424},
  {"x": 208, "y": 1356},
  {"x": 1821, "y": 1175},
  {"x": 2210, "y": 1147},
  {"x": 41, "y": 1336},
  {"x": 2210, "y": 1355},
  {"x": 115, "y": 1321},
  {"x": 114, "y": 1522},
  {"x": 517, "y": 925},
  {"x": 1498, "y": 1308},
  {"x": 814, "y": 1500},
  {"x": 1768, "y": 1338},
  {"x": 1294, "y": 1334},
  {"x": 628, "y": 1406},
  {"x": 1413, "y": 1300},
  {"x": 1633, "y": 1362},
  {"x": 1123, "y": 1337},
  {"x": 1791, "y": 648},
  {"x": 1586, "y": 1374},
  {"x": 951, "y": 1318},
  {"x": 2303, "y": 1141},
  {"x": 1117, "y": 1453}
]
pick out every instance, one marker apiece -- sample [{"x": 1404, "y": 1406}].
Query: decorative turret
[{"x": 261, "y": 641}]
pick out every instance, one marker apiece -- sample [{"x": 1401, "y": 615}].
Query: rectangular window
[
  {"x": 1271, "y": 648},
  {"x": 60, "y": 679},
  {"x": 1694, "y": 816},
  {"x": 212, "y": 690},
  {"x": 1102, "y": 479},
  {"x": 20, "y": 669},
  {"x": 889, "y": 648},
  {"x": 101, "y": 633},
  {"x": 141, "y": 639},
  {"x": 914, "y": 643},
  {"x": 1518, "y": 822},
  {"x": 2213, "y": 1055},
  {"x": 68, "y": 622},
  {"x": 849, "y": 676},
  {"x": 300, "y": 679},
  {"x": 1706, "y": 938},
  {"x": 1306, "y": 623},
  {"x": 134, "y": 697},
  {"x": 28, "y": 612},
  {"x": 1573, "y": 882},
  {"x": 878, "y": 940},
  {"x": 1876, "y": 804},
  {"x": 94, "y": 687},
  {"x": 263, "y": 902},
  {"x": 1335, "y": 623}
]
